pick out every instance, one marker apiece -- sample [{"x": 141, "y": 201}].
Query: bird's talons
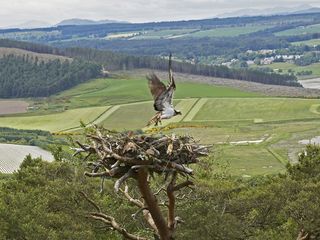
[{"x": 156, "y": 119}]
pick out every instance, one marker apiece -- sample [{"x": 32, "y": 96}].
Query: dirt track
[
  {"x": 311, "y": 83},
  {"x": 268, "y": 90},
  {"x": 12, "y": 106}
]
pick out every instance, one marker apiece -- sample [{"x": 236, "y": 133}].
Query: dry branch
[{"x": 122, "y": 156}]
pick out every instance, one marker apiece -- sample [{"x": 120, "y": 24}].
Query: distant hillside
[
  {"x": 301, "y": 9},
  {"x": 78, "y": 21},
  {"x": 119, "y": 61},
  {"x": 41, "y": 56}
]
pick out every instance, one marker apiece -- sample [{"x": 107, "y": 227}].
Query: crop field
[
  {"x": 312, "y": 42},
  {"x": 258, "y": 110},
  {"x": 13, "y": 106},
  {"x": 231, "y": 31},
  {"x": 54, "y": 122},
  {"x": 300, "y": 30},
  {"x": 228, "y": 31},
  {"x": 167, "y": 34},
  {"x": 12, "y": 156},
  {"x": 285, "y": 67},
  {"x": 113, "y": 91}
]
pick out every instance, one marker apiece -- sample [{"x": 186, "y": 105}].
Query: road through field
[{"x": 12, "y": 156}]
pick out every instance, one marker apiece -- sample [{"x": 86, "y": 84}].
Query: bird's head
[{"x": 177, "y": 112}]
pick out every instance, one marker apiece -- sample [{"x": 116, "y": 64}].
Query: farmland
[
  {"x": 286, "y": 67},
  {"x": 312, "y": 42},
  {"x": 229, "y": 31},
  {"x": 300, "y": 30},
  {"x": 41, "y": 56},
  {"x": 242, "y": 125},
  {"x": 54, "y": 121},
  {"x": 12, "y": 155},
  {"x": 13, "y": 106}
]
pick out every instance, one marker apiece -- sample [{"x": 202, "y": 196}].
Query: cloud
[{"x": 16, "y": 11}]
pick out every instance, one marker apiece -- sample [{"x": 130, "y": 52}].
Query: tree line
[
  {"x": 27, "y": 77},
  {"x": 120, "y": 61},
  {"x": 123, "y": 61}
]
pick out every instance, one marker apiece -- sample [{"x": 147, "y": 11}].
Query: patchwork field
[
  {"x": 252, "y": 134},
  {"x": 122, "y": 90}
]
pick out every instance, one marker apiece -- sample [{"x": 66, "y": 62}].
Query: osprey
[{"x": 162, "y": 96}]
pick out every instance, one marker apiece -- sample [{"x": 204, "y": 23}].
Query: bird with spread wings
[{"x": 163, "y": 96}]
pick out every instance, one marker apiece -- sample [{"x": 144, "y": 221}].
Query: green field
[
  {"x": 168, "y": 33},
  {"x": 300, "y": 30},
  {"x": 252, "y": 134},
  {"x": 228, "y": 31},
  {"x": 259, "y": 110},
  {"x": 54, "y": 122},
  {"x": 112, "y": 91},
  {"x": 312, "y": 42},
  {"x": 315, "y": 68}
]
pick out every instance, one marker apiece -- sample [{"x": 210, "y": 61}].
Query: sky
[{"x": 15, "y": 12}]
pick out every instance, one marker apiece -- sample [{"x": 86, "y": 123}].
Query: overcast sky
[{"x": 14, "y": 12}]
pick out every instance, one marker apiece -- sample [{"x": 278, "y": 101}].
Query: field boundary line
[
  {"x": 277, "y": 156},
  {"x": 105, "y": 114},
  {"x": 195, "y": 109}
]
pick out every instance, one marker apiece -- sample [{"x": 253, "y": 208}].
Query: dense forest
[
  {"x": 43, "y": 201},
  {"x": 27, "y": 77}
]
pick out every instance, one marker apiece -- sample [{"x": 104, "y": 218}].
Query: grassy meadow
[
  {"x": 312, "y": 42},
  {"x": 300, "y": 30},
  {"x": 55, "y": 121},
  {"x": 286, "y": 67}
]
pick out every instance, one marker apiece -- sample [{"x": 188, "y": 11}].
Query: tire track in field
[
  {"x": 106, "y": 114},
  {"x": 195, "y": 110}
]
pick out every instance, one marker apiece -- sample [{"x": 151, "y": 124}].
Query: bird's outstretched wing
[
  {"x": 156, "y": 86},
  {"x": 162, "y": 95}
]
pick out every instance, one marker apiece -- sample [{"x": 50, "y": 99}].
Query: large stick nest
[{"x": 120, "y": 155}]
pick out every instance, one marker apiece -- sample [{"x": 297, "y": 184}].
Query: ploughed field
[
  {"x": 12, "y": 106},
  {"x": 12, "y": 156},
  {"x": 252, "y": 134}
]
